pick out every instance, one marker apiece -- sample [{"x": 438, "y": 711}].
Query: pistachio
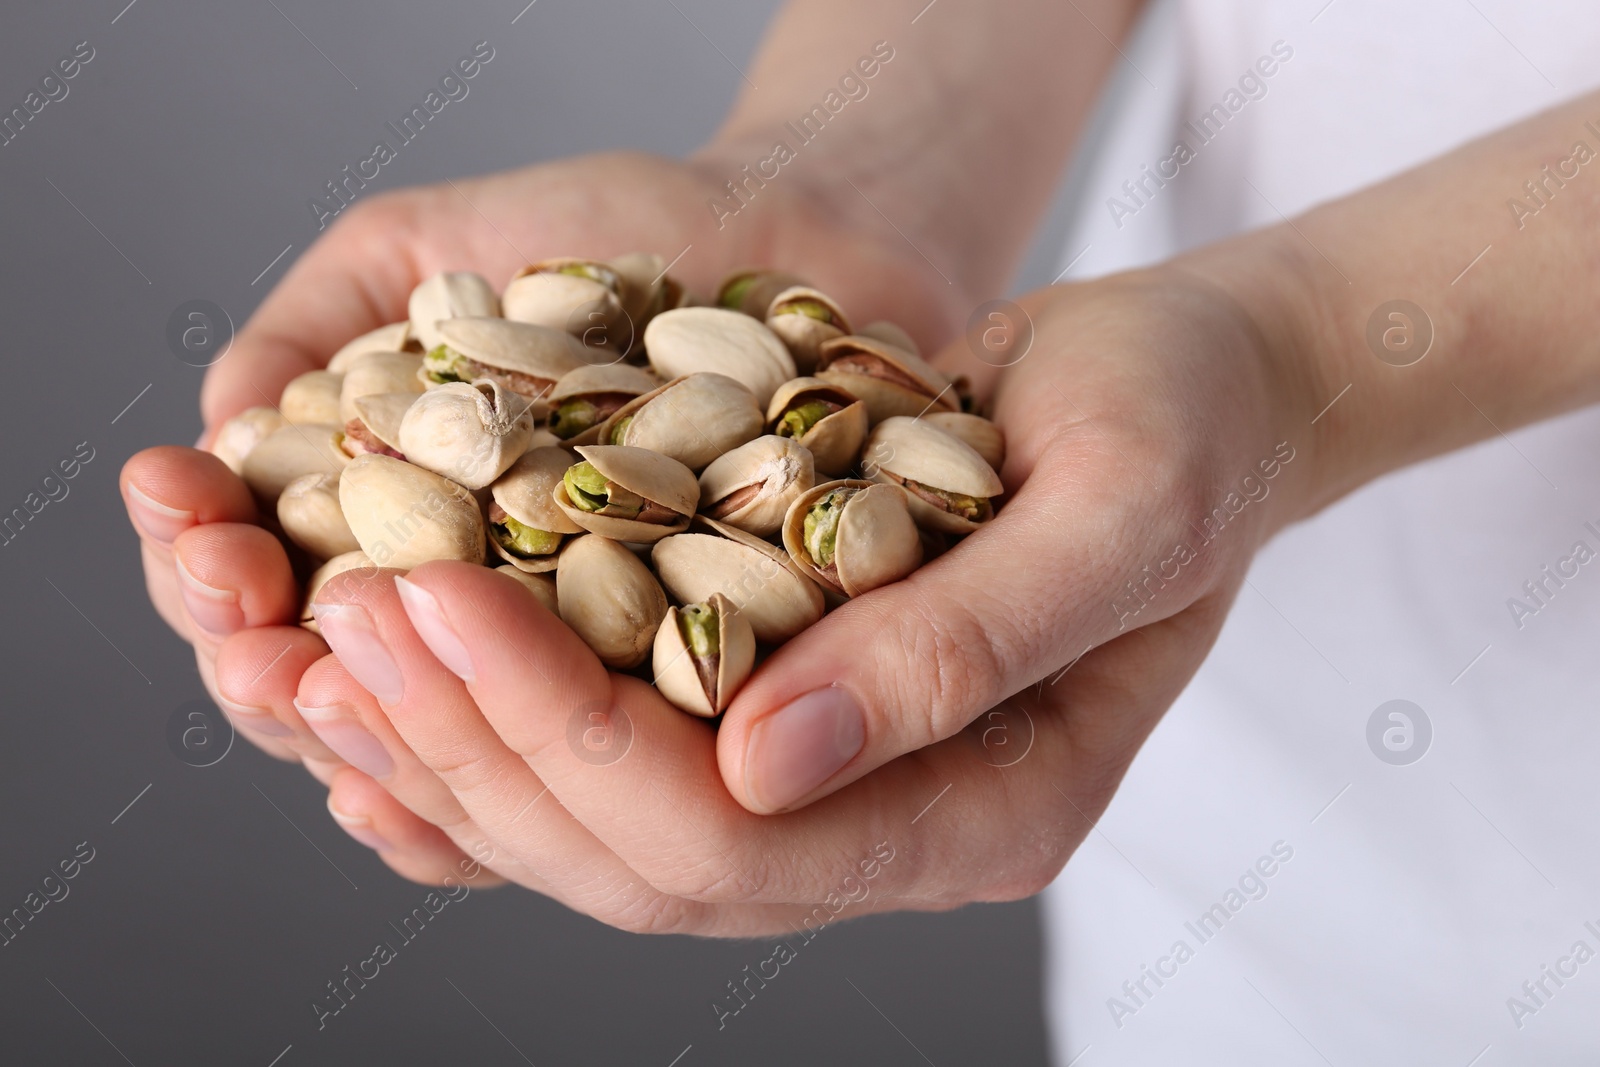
[
  {"x": 627, "y": 494},
  {"x": 853, "y": 536},
  {"x": 693, "y": 419},
  {"x": 890, "y": 334},
  {"x": 890, "y": 380},
  {"x": 611, "y": 599},
  {"x": 527, "y": 360},
  {"x": 448, "y": 295},
  {"x": 404, "y": 516},
  {"x": 769, "y": 590},
  {"x": 803, "y": 319},
  {"x": 577, "y": 296},
  {"x": 376, "y": 427},
  {"x": 289, "y": 452},
  {"x": 646, "y": 288},
  {"x": 239, "y": 435},
  {"x": 692, "y": 340},
  {"x": 703, "y": 654},
  {"x": 395, "y": 337},
  {"x": 542, "y": 586},
  {"x": 948, "y": 484},
  {"x": 312, "y": 397},
  {"x": 526, "y": 528},
  {"x": 377, "y": 372},
  {"x": 984, "y": 437},
  {"x": 751, "y": 291},
  {"x": 586, "y": 397},
  {"x": 752, "y": 486},
  {"x": 309, "y": 512},
  {"x": 470, "y": 433},
  {"x": 345, "y": 561},
  {"x": 825, "y": 418}
]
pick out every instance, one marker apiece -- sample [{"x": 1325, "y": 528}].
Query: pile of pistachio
[{"x": 679, "y": 482}]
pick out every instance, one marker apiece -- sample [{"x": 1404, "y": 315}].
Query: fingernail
[
  {"x": 256, "y": 720},
  {"x": 349, "y": 632},
  {"x": 339, "y": 728},
  {"x": 358, "y": 827},
  {"x": 216, "y": 611},
  {"x": 802, "y": 745},
  {"x": 422, "y": 607},
  {"x": 157, "y": 521}
]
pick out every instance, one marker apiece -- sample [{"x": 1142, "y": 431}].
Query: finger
[
  {"x": 258, "y": 672},
  {"x": 232, "y": 576},
  {"x": 411, "y": 847},
  {"x": 169, "y": 489},
  {"x": 272, "y": 746}
]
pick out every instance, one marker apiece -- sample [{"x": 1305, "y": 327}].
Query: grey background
[{"x": 218, "y": 905}]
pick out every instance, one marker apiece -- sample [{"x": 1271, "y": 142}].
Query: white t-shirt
[{"x": 1332, "y": 907}]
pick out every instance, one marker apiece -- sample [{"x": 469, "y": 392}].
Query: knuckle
[
  {"x": 638, "y": 910},
  {"x": 716, "y": 879},
  {"x": 953, "y": 662}
]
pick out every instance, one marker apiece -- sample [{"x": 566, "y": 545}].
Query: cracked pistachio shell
[
  {"x": 448, "y": 295},
  {"x": 345, "y": 561},
  {"x": 905, "y": 449},
  {"x": 656, "y": 478},
  {"x": 287, "y": 453},
  {"x": 587, "y": 304},
  {"x": 238, "y": 436},
  {"x": 467, "y": 432},
  {"x": 380, "y": 415},
  {"x": 983, "y": 436},
  {"x": 890, "y": 380},
  {"x": 752, "y": 486},
  {"x": 693, "y": 419},
  {"x": 889, "y": 333},
  {"x": 751, "y": 291},
  {"x": 312, "y": 397},
  {"x": 773, "y": 594},
  {"x": 519, "y": 348},
  {"x": 524, "y": 492},
  {"x": 835, "y": 440},
  {"x": 395, "y": 337},
  {"x": 876, "y": 541},
  {"x": 611, "y": 599},
  {"x": 693, "y": 340},
  {"x": 802, "y": 333},
  {"x": 309, "y": 512},
  {"x": 678, "y": 676},
  {"x": 404, "y": 516},
  {"x": 606, "y": 388},
  {"x": 378, "y": 372},
  {"x": 542, "y": 586}
]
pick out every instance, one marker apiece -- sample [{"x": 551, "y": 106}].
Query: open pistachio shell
[
  {"x": 826, "y": 418},
  {"x": 239, "y": 435},
  {"x": 584, "y": 398},
  {"x": 984, "y": 437},
  {"x": 345, "y": 561},
  {"x": 773, "y": 594},
  {"x": 377, "y": 372},
  {"x": 448, "y": 295},
  {"x": 693, "y": 419},
  {"x": 404, "y": 516},
  {"x": 395, "y": 337},
  {"x": 693, "y": 340},
  {"x": 630, "y": 494},
  {"x": 647, "y": 289},
  {"x": 312, "y": 397},
  {"x": 751, "y": 291},
  {"x": 611, "y": 599},
  {"x": 890, "y": 380},
  {"x": 583, "y": 297},
  {"x": 526, "y": 528},
  {"x": 309, "y": 512},
  {"x": 287, "y": 453},
  {"x": 542, "y": 586},
  {"x": 853, "y": 536},
  {"x": 468, "y": 433},
  {"x": 948, "y": 484},
  {"x": 527, "y": 360},
  {"x": 752, "y": 486},
  {"x": 889, "y": 333},
  {"x": 703, "y": 654},
  {"x": 803, "y": 318},
  {"x": 376, "y": 427}
]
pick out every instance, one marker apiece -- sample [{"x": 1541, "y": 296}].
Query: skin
[{"x": 1145, "y": 398}]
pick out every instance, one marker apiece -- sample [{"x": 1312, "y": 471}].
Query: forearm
[
  {"x": 1516, "y": 333},
  {"x": 959, "y": 138}
]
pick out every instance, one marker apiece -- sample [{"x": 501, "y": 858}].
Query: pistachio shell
[
  {"x": 677, "y": 674},
  {"x": 381, "y": 415},
  {"x": 470, "y": 433},
  {"x": 876, "y": 541},
  {"x": 404, "y": 516},
  {"x": 801, "y": 333},
  {"x": 239, "y": 435},
  {"x": 309, "y": 512},
  {"x": 542, "y": 586},
  {"x": 582, "y": 306},
  {"x": 289, "y": 452},
  {"x": 657, "y": 478},
  {"x": 640, "y": 276},
  {"x": 312, "y": 397},
  {"x": 834, "y": 440},
  {"x": 752, "y": 486},
  {"x": 889, "y": 333},
  {"x": 519, "y": 347},
  {"x": 345, "y": 561},
  {"x": 984, "y": 437},
  {"x": 899, "y": 383},
  {"x": 611, "y": 599},
  {"x": 905, "y": 449},
  {"x": 448, "y": 295},
  {"x": 605, "y": 388},
  {"x": 773, "y": 595},
  {"x": 378, "y": 372},
  {"x": 395, "y": 337},
  {"x": 692, "y": 340},
  {"x": 759, "y": 287},
  {"x": 693, "y": 419},
  {"x": 524, "y": 493}
]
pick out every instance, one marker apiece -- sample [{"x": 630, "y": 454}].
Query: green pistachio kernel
[
  {"x": 822, "y": 526},
  {"x": 586, "y": 487},
  {"x": 444, "y": 364},
  {"x": 797, "y": 421},
  {"x": 581, "y": 270},
  {"x": 698, "y": 624},
  {"x": 572, "y": 417},
  {"x": 967, "y": 507},
  {"x": 733, "y": 296},
  {"x": 811, "y": 309},
  {"x": 523, "y": 541},
  {"x": 619, "y": 430}
]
